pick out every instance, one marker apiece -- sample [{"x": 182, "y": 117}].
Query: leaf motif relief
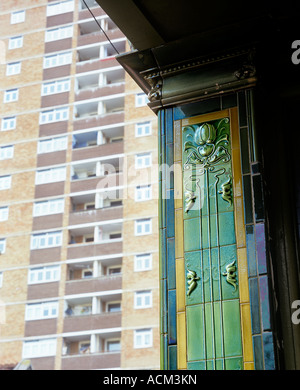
[
  {"x": 226, "y": 191},
  {"x": 192, "y": 282},
  {"x": 230, "y": 273}
]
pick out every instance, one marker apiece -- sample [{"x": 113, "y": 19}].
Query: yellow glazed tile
[
  {"x": 243, "y": 275},
  {"x": 180, "y": 285},
  {"x": 178, "y": 185},
  {"x": 237, "y": 176},
  {"x": 239, "y": 222},
  {"x": 205, "y": 118},
  {"x": 181, "y": 341},
  {"x": 249, "y": 366},
  {"x": 177, "y": 141},
  {"x": 246, "y": 333},
  {"x": 178, "y": 233}
]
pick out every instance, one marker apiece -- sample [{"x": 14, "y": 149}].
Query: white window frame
[
  {"x": 140, "y": 338},
  {"x": 39, "y": 348},
  {"x": 8, "y": 123},
  {"x": 46, "y": 240},
  {"x": 143, "y": 129},
  {"x": 55, "y": 115},
  {"x": 11, "y": 95},
  {"x": 60, "y": 7},
  {"x": 41, "y": 311},
  {"x": 141, "y": 99},
  {"x": 143, "y": 262},
  {"x": 2, "y": 245},
  {"x": 143, "y": 193},
  {"x": 15, "y": 42},
  {"x": 13, "y": 68},
  {"x": 143, "y": 299},
  {"x": 140, "y": 226},
  {"x": 5, "y": 182},
  {"x": 55, "y": 34},
  {"x": 47, "y": 274},
  {"x": 4, "y": 211},
  {"x": 54, "y": 87},
  {"x": 52, "y": 175},
  {"x": 6, "y": 152},
  {"x": 17, "y": 17},
  {"x": 112, "y": 341},
  {"x": 52, "y": 145},
  {"x": 143, "y": 160},
  {"x": 59, "y": 59},
  {"x": 48, "y": 207}
]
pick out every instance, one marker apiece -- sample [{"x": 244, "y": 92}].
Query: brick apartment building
[{"x": 79, "y": 274}]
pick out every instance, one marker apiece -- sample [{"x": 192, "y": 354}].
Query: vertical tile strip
[
  {"x": 179, "y": 252},
  {"x": 241, "y": 242}
]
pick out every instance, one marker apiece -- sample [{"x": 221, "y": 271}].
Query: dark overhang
[{"x": 185, "y": 50}]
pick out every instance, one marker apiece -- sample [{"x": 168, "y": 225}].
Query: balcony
[
  {"x": 97, "y": 64},
  {"x": 95, "y": 215},
  {"x": 92, "y": 322},
  {"x": 94, "y": 285},
  {"x": 107, "y": 119},
  {"x": 93, "y": 361},
  {"x": 85, "y": 153},
  {"x": 77, "y": 251},
  {"x": 97, "y": 36},
  {"x": 99, "y": 92}
]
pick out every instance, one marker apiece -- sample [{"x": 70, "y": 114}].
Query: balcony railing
[{"x": 91, "y": 361}]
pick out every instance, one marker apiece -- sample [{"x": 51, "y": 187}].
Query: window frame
[
  {"x": 139, "y": 222},
  {"x": 141, "y": 157},
  {"x": 15, "y": 42},
  {"x": 8, "y": 123},
  {"x": 7, "y": 187},
  {"x": 4, "y": 213},
  {"x": 6, "y": 156},
  {"x": 143, "y": 333},
  {"x": 9, "y": 93},
  {"x": 143, "y": 190},
  {"x": 143, "y": 126},
  {"x": 142, "y": 258},
  {"x": 42, "y": 306},
  {"x": 55, "y": 115},
  {"x": 63, "y": 32},
  {"x": 39, "y": 346},
  {"x": 43, "y": 240},
  {"x": 3, "y": 245},
  {"x": 58, "y": 204},
  {"x": 55, "y": 86},
  {"x": 59, "y": 59},
  {"x": 14, "y": 19},
  {"x": 140, "y": 298},
  {"x": 13, "y": 68}
]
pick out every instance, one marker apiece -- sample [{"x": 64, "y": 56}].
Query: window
[
  {"x": 113, "y": 307},
  {"x": 15, "y": 42},
  {"x": 141, "y": 99},
  {"x": 11, "y": 95},
  {"x": 59, "y": 33},
  {"x": 39, "y": 348},
  {"x": 2, "y": 245},
  {"x": 57, "y": 60},
  {"x": 143, "y": 226},
  {"x": 3, "y": 214},
  {"x": 55, "y": 87},
  {"x": 56, "y": 115},
  {"x": 50, "y": 175},
  {"x": 48, "y": 207},
  {"x": 5, "y": 182},
  {"x": 142, "y": 299},
  {"x": 8, "y": 123},
  {"x": 44, "y": 274},
  {"x": 39, "y": 311},
  {"x": 143, "y": 262},
  {"x": 60, "y": 8},
  {"x": 143, "y": 160},
  {"x": 113, "y": 346},
  {"x": 142, "y": 338},
  {"x": 142, "y": 129},
  {"x": 6, "y": 152},
  {"x": 13, "y": 68},
  {"x": 52, "y": 145},
  {"x": 143, "y": 193},
  {"x": 17, "y": 17},
  {"x": 46, "y": 240}
]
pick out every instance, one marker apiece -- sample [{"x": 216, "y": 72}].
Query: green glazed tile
[
  {"x": 193, "y": 262},
  {"x": 172, "y": 357},
  {"x": 226, "y": 228},
  {"x": 219, "y": 349},
  {"x": 220, "y": 364},
  {"x": 192, "y": 234},
  {"x": 232, "y": 328},
  {"x": 234, "y": 364},
  {"x": 209, "y": 331},
  {"x": 210, "y": 365},
  {"x": 228, "y": 255},
  {"x": 195, "y": 333},
  {"x": 196, "y": 365}
]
